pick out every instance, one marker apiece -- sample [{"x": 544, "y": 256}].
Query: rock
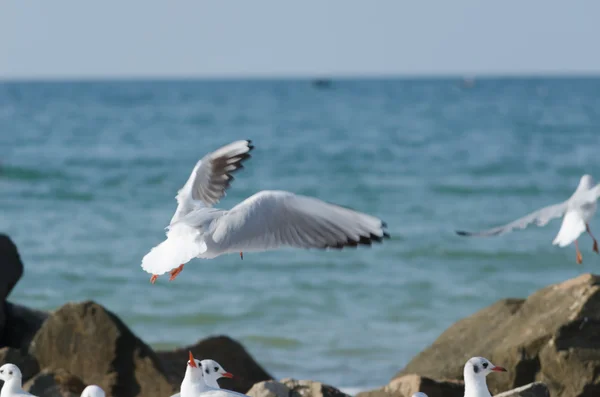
[
  {"x": 229, "y": 353},
  {"x": 22, "y": 323},
  {"x": 11, "y": 269},
  {"x": 551, "y": 337},
  {"x": 536, "y": 389},
  {"x": 309, "y": 388},
  {"x": 27, "y": 364},
  {"x": 270, "y": 388},
  {"x": 93, "y": 344},
  {"x": 57, "y": 383},
  {"x": 406, "y": 385},
  {"x": 294, "y": 388}
]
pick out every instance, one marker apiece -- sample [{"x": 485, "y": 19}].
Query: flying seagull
[
  {"x": 268, "y": 220},
  {"x": 576, "y": 212}
]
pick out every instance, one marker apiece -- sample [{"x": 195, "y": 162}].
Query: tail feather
[
  {"x": 572, "y": 227},
  {"x": 180, "y": 247}
]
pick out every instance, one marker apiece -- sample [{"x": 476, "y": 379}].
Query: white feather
[
  {"x": 572, "y": 227},
  {"x": 180, "y": 247}
]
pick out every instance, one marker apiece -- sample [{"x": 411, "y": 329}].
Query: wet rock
[
  {"x": 56, "y": 383},
  {"x": 289, "y": 387},
  {"x": 551, "y": 337},
  {"x": 22, "y": 323},
  {"x": 536, "y": 389},
  {"x": 27, "y": 364},
  {"x": 11, "y": 269},
  {"x": 229, "y": 353},
  {"x": 405, "y": 386},
  {"x": 94, "y": 345}
]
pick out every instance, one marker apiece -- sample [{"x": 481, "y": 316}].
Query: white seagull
[
  {"x": 577, "y": 212},
  {"x": 419, "y": 394},
  {"x": 201, "y": 378},
  {"x": 212, "y": 371},
  {"x": 268, "y": 220},
  {"x": 475, "y": 372},
  {"x": 193, "y": 381},
  {"x": 93, "y": 391},
  {"x": 11, "y": 375}
]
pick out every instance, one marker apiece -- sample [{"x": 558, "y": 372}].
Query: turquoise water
[{"x": 89, "y": 171}]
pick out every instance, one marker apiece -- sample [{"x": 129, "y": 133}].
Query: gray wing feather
[
  {"x": 540, "y": 218},
  {"x": 211, "y": 177},
  {"x": 273, "y": 219}
]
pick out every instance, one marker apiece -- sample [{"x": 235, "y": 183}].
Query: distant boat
[{"x": 322, "y": 83}]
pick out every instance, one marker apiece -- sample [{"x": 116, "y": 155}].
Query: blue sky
[{"x": 197, "y": 38}]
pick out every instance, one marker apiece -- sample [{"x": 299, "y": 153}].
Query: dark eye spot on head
[
  {"x": 207, "y": 371},
  {"x": 216, "y": 369},
  {"x": 10, "y": 372},
  {"x": 475, "y": 368},
  {"x": 1, "y": 371},
  {"x": 485, "y": 365}
]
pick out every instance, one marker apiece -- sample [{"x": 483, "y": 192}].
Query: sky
[{"x": 63, "y": 39}]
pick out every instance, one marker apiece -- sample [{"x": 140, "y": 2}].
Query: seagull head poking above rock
[
  {"x": 419, "y": 394},
  {"x": 476, "y": 369},
  {"x": 11, "y": 375},
  {"x": 93, "y": 391},
  {"x": 193, "y": 371},
  {"x": 212, "y": 372}
]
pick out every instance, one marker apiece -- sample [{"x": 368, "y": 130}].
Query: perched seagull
[
  {"x": 193, "y": 381},
  {"x": 11, "y": 375},
  {"x": 419, "y": 394},
  {"x": 476, "y": 369},
  {"x": 265, "y": 221},
  {"x": 213, "y": 372},
  {"x": 93, "y": 391},
  {"x": 577, "y": 212}
]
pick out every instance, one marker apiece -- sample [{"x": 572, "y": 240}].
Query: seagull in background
[{"x": 576, "y": 212}]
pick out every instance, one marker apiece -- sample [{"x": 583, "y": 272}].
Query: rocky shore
[{"x": 549, "y": 343}]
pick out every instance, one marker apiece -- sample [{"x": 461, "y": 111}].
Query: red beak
[
  {"x": 192, "y": 361},
  {"x": 227, "y": 375},
  {"x": 499, "y": 369}
]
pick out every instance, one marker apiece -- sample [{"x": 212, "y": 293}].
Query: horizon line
[{"x": 300, "y": 77}]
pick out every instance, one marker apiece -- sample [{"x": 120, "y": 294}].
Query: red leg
[
  {"x": 579, "y": 257},
  {"x": 242, "y": 255},
  {"x": 175, "y": 272},
  {"x": 587, "y": 227},
  {"x": 153, "y": 278}
]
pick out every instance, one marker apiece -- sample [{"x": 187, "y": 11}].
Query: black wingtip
[
  {"x": 462, "y": 233},
  {"x": 386, "y": 235},
  {"x": 383, "y": 224}
]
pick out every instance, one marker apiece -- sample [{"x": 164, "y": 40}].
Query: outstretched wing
[
  {"x": 273, "y": 219},
  {"x": 540, "y": 218},
  {"x": 211, "y": 177}
]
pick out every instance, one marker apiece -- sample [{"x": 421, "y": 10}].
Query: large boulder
[
  {"x": 56, "y": 383},
  {"x": 406, "y": 385},
  {"x": 294, "y": 388},
  {"x": 11, "y": 269},
  {"x": 27, "y": 364},
  {"x": 22, "y": 323},
  {"x": 552, "y": 337},
  {"x": 229, "y": 353},
  {"x": 94, "y": 345}
]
